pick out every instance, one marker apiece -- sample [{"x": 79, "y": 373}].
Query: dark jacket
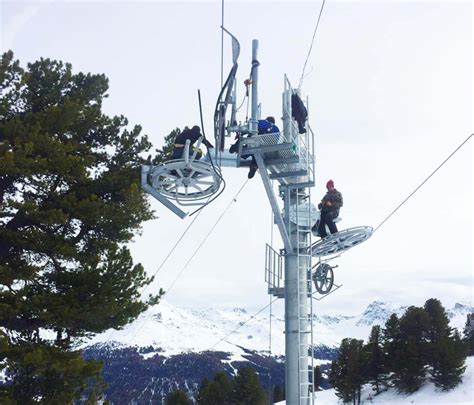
[
  {"x": 334, "y": 197},
  {"x": 193, "y": 135},
  {"x": 299, "y": 112}
]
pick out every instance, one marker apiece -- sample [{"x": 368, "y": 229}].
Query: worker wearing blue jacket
[{"x": 266, "y": 126}]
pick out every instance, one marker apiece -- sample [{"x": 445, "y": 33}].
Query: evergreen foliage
[
  {"x": 402, "y": 353},
  {"x": 247, "y": 389},
  {"x": 177, "y": 398},
  {"x": 469, "y": 333},
  {"x": 374, "y": 359},
  {"x": 318, "y": 378},
  {"x": 346, "y": 374},
  {"x": 390, "y": 343},
  {"x": 411, "y": 352},
  {"x": 243, "y": 389},
  {"x": 278, "y": 394},
  {"x": 166, "y": 152},
  {"x": 449, "y": 356},
  {"x": 215, "y": 392},
  {"x": 70, "y": 200}
]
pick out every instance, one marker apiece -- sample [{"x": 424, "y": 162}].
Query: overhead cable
[
  {"x": 242, "y": 324},
  {"x": 311, "y": 45},
  {"x": 234, "y": 199},
  {"x": 424, "y": 181}
]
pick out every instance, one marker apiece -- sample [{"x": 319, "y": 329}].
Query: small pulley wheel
[{"x": 323, "y": 278}]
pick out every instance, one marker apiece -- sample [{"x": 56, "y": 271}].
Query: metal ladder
[
  {"x": 305, "y": 320},
  {"x": 288, "y": 158}
]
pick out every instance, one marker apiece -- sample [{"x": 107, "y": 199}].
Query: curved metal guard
[{"x": 341, "y": 241}]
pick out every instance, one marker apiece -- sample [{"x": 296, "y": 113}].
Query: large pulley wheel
[
  {"x": 323, "y": 278},
  {"x": 341, "y": 241},
  {"x": 185, "y": 182}
]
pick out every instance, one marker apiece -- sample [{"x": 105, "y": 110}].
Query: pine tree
[
  {"x": 469, "y": 333},
  {"x": 411, "y": 352},
  {"x": 346, "y": 375},
  {"x": 177, "y": 398},
  {"x": 390, "y": 347},
  {"x": 278, "y": 394},
  {"x": 247, "y": 389},
  {"x": 450, "y": 355},
  {"x": 166, "y": 152},
  {"x": 439, "y": 321},
  {"x": 215, "y": 392},
  {"x": 374, "y": 358},
  {"x": 318, "y": 378},
  {"x": 70, "y": 201}
]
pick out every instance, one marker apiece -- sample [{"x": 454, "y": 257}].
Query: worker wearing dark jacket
[
  {"x": 193, "y": 135},
  {"x": 329, "y": 206}
]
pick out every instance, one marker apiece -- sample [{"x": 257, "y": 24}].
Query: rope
[
  {"x": 424, "y": 181},
  {"x": 217, "y": 170},
  {"x": 312, "y": 41}
]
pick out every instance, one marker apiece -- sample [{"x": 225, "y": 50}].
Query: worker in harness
[
  {"x": 193, "y": 135},
  {"x": 266, "y": 126},
  {"x": 329, "y": 206}
]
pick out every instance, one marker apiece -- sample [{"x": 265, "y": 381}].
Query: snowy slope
[
  {"x": 173, "y": 330},
  {"x": 427, "y": 394}
]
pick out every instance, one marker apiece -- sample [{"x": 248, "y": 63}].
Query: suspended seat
[{"x": 186, "y": 181}]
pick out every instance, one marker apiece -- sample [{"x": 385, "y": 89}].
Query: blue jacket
[{"x": 266, "y": 127}]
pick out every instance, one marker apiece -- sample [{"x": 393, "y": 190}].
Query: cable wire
[
  {"x": 312, "y": 41},
  {"x": 242, "y": 324},
  {"x": 234, "y": 199},
  {"x": 424, "y": 181}
]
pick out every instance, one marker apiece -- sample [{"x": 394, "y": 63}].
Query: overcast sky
[{"x": 390, "y": 89}]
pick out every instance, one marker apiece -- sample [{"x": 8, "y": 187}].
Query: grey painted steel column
[{"x": 296, "y": 314}]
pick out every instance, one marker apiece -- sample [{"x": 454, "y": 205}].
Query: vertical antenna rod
[
  {"x": 222, "y": 44},
  {"x": 254, "y": 120}
]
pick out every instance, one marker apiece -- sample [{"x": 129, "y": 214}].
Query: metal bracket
[
  {"x": 273, "y": 202},
  {"x": 329, "y": 293}
]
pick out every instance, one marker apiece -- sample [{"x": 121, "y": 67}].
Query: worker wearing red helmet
[{"x": 329, "y": 206}]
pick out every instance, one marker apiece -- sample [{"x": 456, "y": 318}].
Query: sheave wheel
[
  {"x": 185, "y": 182},
  {"x": 323, "y": 278}
]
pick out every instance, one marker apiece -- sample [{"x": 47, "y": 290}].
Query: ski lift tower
[{"x": 287, "y": 158}]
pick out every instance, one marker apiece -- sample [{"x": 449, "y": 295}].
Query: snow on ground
[{"x": 463, "y": 394}]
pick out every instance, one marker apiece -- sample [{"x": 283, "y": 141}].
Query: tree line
[
  {"x": 243, "y": 389},
  {"x": 406, "y": 352}
]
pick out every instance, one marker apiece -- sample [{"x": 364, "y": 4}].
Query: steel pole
[{"x": 254, "y": 119}]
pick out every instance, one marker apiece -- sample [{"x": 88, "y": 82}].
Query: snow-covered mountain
[
  {"x": 168, "y": 347},
  {"x": 171, "y": 330}
]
